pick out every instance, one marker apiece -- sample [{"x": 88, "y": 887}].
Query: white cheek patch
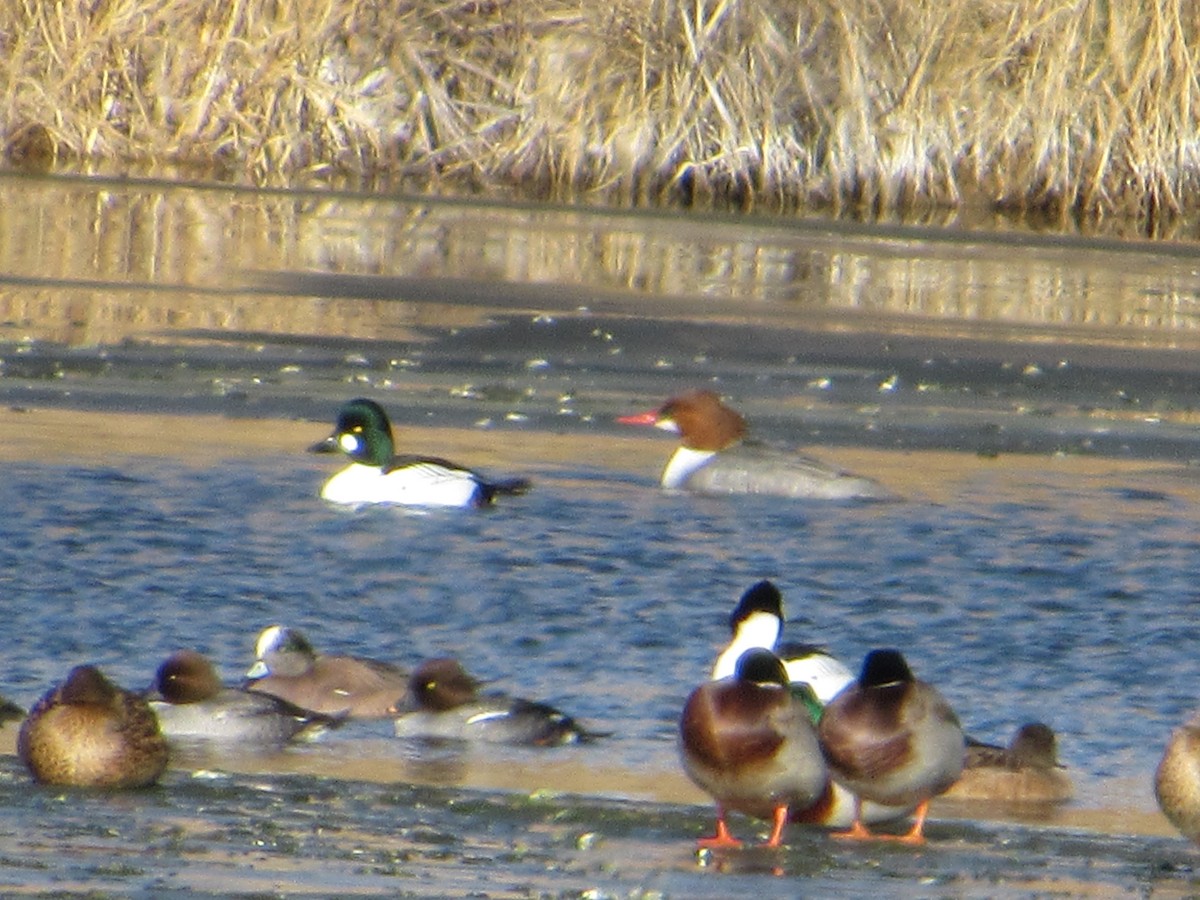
[
  {"x": 350, "y": 443},
  {"x": 667, "y": 425}
]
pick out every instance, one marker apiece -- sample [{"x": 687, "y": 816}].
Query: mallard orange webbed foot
[
  {"x": 722, "y": 839},
  {"x": 857, "y": 832}
]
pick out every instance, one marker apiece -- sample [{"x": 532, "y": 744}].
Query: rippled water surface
[{"x": 1042, "y": 564}]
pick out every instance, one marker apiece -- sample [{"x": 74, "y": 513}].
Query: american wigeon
[
  {"x": 444, "y": 702},
  {"x": 377, "y": 475},
  {"x": 87, "y": 732},
  {"x": 891, "y": 739},
  {"x": 288, "y": 667},
  {"x": 749, "y": 744}
]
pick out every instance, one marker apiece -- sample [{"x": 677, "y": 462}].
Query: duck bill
[
  {"x": 257, "y": 671},
  {"x": 329, "y": 445},
  {"x": 403, "y": 706},
  {"x": 646, "y": 418}
]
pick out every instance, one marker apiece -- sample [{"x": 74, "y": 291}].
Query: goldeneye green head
[{"x": 362, "y": 432}]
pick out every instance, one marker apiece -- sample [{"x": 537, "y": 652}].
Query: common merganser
[
  {"x": 193, "y": 705},
  {"x": 757, "y": 621},
  {"x": 444, "y": 702},
  {"x": 288, "y": 667},
  {"x": 716, "y": 457},
  {"x": 751, "y": 746},
  {"x": 891, "y": 739},
  {"x": 1026, "y": 771},
  {"x": 377, "y": 475},
  {"x": 1177, "y": 779},
  {"x": 88, "y": 732}
]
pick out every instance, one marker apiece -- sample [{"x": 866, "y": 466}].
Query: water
[{"x": 1040, "y": 567}]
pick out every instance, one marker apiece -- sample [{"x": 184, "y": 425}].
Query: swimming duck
[
  {"x": 747, "y": 742},
  {"x": 757, "y": 621},
  {"x": 288, "y": 667},
  {"x": 87, "y": 732},
  {"x": 1026, "y": 771},
  {"x": 891, "y": 739},
  {"x": 716, "y": 457},
  {"x": 10, "y": 712},
  {"x": 1177, "y": 779},
  {"x": 444, "y": 702},
  {"x": 193, "y": 705},
  {"x": 377, "y": 475}
]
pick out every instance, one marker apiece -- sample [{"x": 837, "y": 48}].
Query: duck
[
  {"x": 715, "y": 456},
  {"x": 1026, "y": 771},
  {"x": 193, "y": 705},
  {"x": 376, "y": 475},
  {"x": 757, "y": 621},
  {"x": 10, "y": 712},
  {"x": 816, "y": 677},
  {"x": 891, "y": 739},
  {"x": 353, "y": 687},
  {"x": 89, "y": 732},
  {"x": 1177, "y": 779},
  {"x": 747, "y": 742},
  {"x": 444, "y": 702}
]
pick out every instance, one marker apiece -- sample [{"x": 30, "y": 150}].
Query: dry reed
[{"x": 879, "y": 106}]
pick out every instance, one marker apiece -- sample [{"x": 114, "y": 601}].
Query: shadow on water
[{"x": 167, "y": 352}]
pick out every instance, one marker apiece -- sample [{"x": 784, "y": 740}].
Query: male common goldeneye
[{"x": 377, "y": 475}]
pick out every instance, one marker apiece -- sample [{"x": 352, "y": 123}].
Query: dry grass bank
[{"x": 1068, "y": 106}]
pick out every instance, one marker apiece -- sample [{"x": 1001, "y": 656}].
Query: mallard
[
  {"x": 747, "y": 742},
  {"x": 88, "y": 732},
  {"x": 1177, "y": 779},
  {"x": 891, "y": 739}
]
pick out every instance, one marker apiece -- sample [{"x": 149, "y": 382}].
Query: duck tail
[{"x": 509, "y": 487}]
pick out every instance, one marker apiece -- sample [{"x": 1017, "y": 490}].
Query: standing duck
[
  {"x": 891, "y": 739},
  {"x": 377, "y": 475},
  {"x": 444, "y": 702},
  {"x": 88, "y": 732},
  {"x": 757, "y": 621},
  {"x": 748, "y": 743},
  {"x": 715, "y": 456},
  {"x": 353, "y": 687}
]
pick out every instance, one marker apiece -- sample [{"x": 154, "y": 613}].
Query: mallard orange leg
[
  {"x": 858, "y": 831},
  {"x": 722, "y": 838},
  {"x": 916, "y": 834},
  {"x": 781, "y": 817}
]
